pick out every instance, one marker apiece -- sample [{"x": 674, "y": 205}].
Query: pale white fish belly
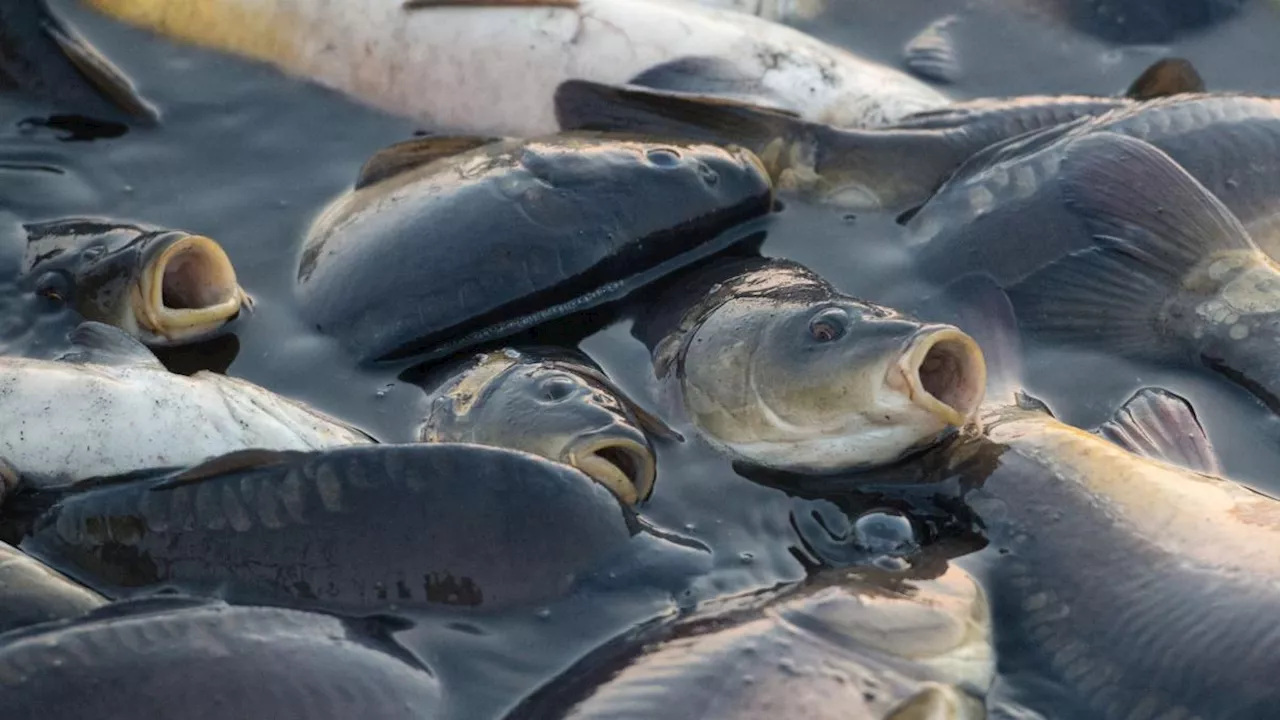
[
  {"x": 494, "y": 70},
  {"x": 67, "y": 422}
]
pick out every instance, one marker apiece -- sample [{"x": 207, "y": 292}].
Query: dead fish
[
  {"x": 110, "y": 407},
  {"x": 349, "y": 529},
  {"x": 170, "y": 658},
  {"x": 165, "y": 287},
  {"x": 45, "y": 58},
  {"x": 424, "y": 59},
  {"x": 778, "y": 369},
  {"x": 550, "y": 402},
  {"x": 446, "y": 243},
  {"x": 1145, "y": 262},
  {"x": 856, "y": 646},
  {"x": 32, "y": 593},
  {"x": 894, "y": 168}
]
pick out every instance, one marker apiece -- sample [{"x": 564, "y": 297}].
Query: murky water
[{"x": 248, "y": 157}]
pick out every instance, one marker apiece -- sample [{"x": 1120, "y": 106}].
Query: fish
[
  {"x": 354, "y": 530},
  {"x": 1133, "y": 256},
  {"x": 32, "y": 593},
  {"x": 788, "y": 12},
  {"x": 1226, "y": 141},
  {"x": 108, "y": 406},
  {"x": 449, "y": 242},
  {"x": 1124, "y": 566},
  {"x": 550, "y": 402},
  {"x": 895, "y": 168},
  {"x": 178, "y": 657},
  {"x": 491, "y": 66},
  {"x": 45, "y": 58},
  {"x": 165, "y": 287},
  {"x": 777, "y": 369},
  {"x": 1134, "y": 22},
  {"x": 852, "y": 644}
]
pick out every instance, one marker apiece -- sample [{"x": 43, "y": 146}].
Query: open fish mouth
[
  {"x": 624, "y": 465},
  {"x": 942, "y": 370},
  {"x": 188, "y": 290}
]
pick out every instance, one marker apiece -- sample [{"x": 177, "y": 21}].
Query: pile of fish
[{"x": 198, "y": 546}]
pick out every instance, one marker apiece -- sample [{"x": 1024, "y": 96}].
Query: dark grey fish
[
  {"x": 778, "y": 369},
  {"x": 177, "y": 658},
  {"x": 355, "y": 528},
  {"x": 43, "y": 56},
  {"x": 1229, "y": 143},
  {"x": 32, "y": 593},
  {"x": 549, "y": 402},
  {"x": 446, "y": 243},
  {"x": 894, "y": 168},
  {"x": 1126, "y": 253},
  {"x": 164, "y": 287},
  {"x": 848, "y": 645},
  {"x": 1120, "y": 569},
  {"x": 1144, "y": 21}
]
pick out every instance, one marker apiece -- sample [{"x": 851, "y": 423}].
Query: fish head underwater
[
  {"x": 784, "y": 372},
  {"x": 165, "y": 287},
  {"x": 550, "y": 404}
]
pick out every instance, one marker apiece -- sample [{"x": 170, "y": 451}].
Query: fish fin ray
[
  {"x": 404, "y": 156},
  {"x": 1159, "y": 424},
  {"x": 103, "y": 344},
  {"x": 1165, "y": 77},
  {"x": 587, "y": 105},
  {"x": 100, "y": 72},
  {"x": 1151, "y": 222}
]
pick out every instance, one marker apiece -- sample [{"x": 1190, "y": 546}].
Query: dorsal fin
[
  {"x": 1158, "y": 424},
  {"x": 1165, "y": 77},
  {"x": 99, "y": 71},
  {"x": 395, "y": 159},
  {"x": 238, "y": 461},
  {"x": 101, "y": 344}
]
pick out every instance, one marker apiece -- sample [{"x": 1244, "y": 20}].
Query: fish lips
[
  {"x": 618, "y": 457},
  {"x": 186, "y": 290},
  {"x": 942, "y": 370}
]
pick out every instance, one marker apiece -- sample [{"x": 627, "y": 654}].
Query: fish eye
[
  {"x": 557, "y": 387},
  {"x": 829, "y": 325},
  {"x": 54, "y": 286}
]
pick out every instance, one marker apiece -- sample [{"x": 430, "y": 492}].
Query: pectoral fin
[
  {"x": 1158, "y": 424},
  {"x": 1167, "y": 76},
  {"x": 100, "y": 72},
  {"x": 238, "y": 461}
]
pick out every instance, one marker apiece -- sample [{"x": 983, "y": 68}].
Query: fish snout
[
  {"x": 941, "y": 369},
  {"x": 618, "y": 457},
  {"x": 188, "y": 289}
]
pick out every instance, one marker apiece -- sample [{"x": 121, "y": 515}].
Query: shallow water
[{"x": 249, "y": 157}]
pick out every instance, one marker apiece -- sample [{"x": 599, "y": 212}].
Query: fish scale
[{"x": 309, "y": 535}]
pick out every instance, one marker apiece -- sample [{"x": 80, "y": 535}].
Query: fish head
[
  {"x": 555, "y": 408},
  {"x": 166, "y": 287},
  {"x": 818, "y": 385}
]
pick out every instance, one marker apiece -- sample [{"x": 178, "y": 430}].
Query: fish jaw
[{"x": 186, "y": 292}]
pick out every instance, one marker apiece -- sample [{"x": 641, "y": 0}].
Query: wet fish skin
[
  {"x": 847, "y": 645},
  {"x": 1144, "y": 587},
  {"x": 423, "y": 59},
  {"x": 31, "y": 593},
  {"x": 777, "y": 369},
  {"x": 520, "y": 231},
  {"x": 351, "y": 529},
  {"x": 205, "y": 660},
  {"x": 110, "y": 407}
]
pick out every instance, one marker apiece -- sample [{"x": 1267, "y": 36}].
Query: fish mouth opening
[
  {"x": 189, "y": 289},
  {"x": 625, "y": 466},
  {"x": 944, "y": 373}
]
